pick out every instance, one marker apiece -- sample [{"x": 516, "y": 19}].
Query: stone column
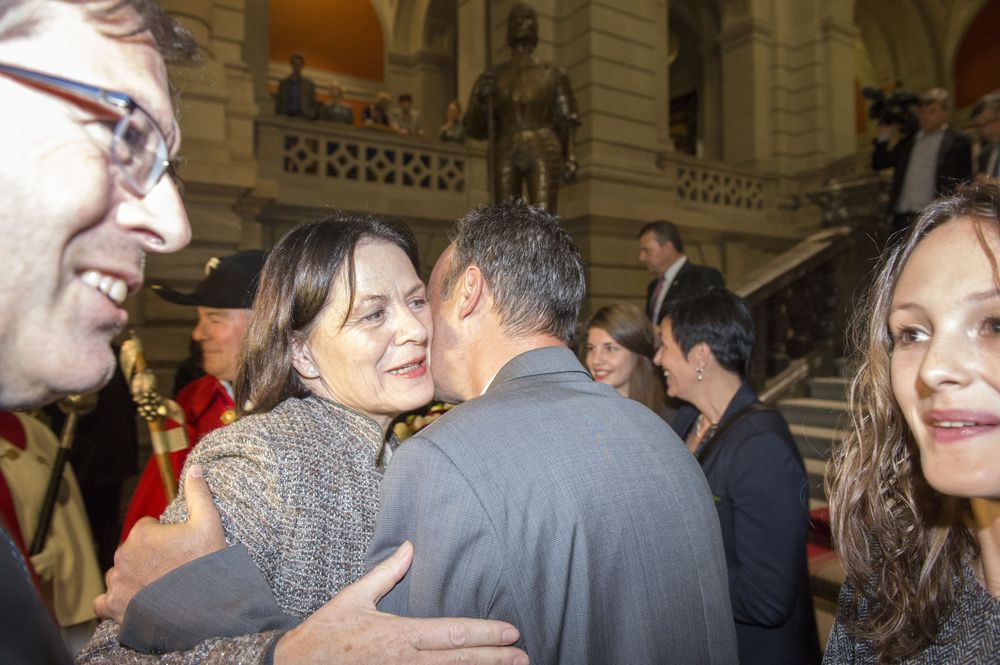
[
  {"x": 217, "y": 112},
  {"x": 745, "y": 47}
]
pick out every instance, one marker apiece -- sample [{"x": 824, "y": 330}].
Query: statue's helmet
[{"x": 522, "y": 26}]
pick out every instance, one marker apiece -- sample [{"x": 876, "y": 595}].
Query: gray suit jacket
[{"x": 575, "y": 514}]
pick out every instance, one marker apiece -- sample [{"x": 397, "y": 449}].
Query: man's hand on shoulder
[
  {"x": 349, "y": 630},
  {"x": 152, "y": 549}
]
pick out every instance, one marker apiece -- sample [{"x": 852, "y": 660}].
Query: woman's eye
[
  {"x": 908, "y": 336},
  {"x": 418, "y": 303},
  {"x": 991, "y": 326},
  {"x": 375, "y": 316}
]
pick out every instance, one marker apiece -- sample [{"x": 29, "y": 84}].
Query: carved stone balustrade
[{"x": 321, "y": 165}]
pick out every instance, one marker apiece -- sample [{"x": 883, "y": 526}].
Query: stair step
[
  {"x": 828, "y": 387},
  {"x": 815, "y": 469},
  {"x": 817, "y": 503},
  {"x": 815, "y": 442},
  {"x": 813, "y": 412},
  {"x": 826, "y": 575}
]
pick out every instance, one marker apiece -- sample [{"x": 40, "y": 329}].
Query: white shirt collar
[{"x": 671, "y": 272}]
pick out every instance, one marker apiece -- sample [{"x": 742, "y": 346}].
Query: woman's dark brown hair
[
  {"x": 295, "y": 286},
  {"x": 629, "y": 327},
  {"x": 902, "y": 543}
]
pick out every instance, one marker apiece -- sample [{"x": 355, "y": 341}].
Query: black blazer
[
  {"x": 691, "y": 280},
  {"x": 761, "y": 493},
  {"x": 954, "y": 163}
]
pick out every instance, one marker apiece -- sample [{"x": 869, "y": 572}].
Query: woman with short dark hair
[{"x": 754, "y": 471}]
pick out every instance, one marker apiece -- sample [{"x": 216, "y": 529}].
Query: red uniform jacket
[{"x": 204, "y": 402}]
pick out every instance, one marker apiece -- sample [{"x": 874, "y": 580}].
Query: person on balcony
[
  {"x": 661, "y": 250},
  {"x": 376, "y": 114},
  {"x": 405, "y": 119},
  {"x": 296, "y": 94},
  {"x": 926, "y": 164},
  {"x": 754, "y": 470},
  {"x": 453, "y": 129},
  {"x": 336, "y": 109}
]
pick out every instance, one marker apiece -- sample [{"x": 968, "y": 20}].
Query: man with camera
[{"x": 927, "y": 163}]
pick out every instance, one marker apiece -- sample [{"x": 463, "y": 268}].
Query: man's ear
[
  {"x": 302, "y": 360},
  {"x": 472, "y": 291}
]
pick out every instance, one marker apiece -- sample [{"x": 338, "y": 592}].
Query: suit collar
[
  {"x": 546, "y": 360},
  {"x": 743, "y": 398}
]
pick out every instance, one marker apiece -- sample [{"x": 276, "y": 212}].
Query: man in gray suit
[{"x": 545, "y": 498}]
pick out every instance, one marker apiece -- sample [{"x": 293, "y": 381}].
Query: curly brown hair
[{"x": 902, "y": 543}]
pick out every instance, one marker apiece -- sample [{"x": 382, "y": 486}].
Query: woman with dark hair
[
  {"x": 619, "y": 351},
  {"x": 754, "y": 471},
  {"x": 915, "y": 487},
  {"x": 335, "y": 349}
]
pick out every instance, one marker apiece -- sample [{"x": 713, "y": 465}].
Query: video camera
[{"x": 898, "y": 108}]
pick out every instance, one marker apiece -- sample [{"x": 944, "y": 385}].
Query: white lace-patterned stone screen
[
  {"x": 718, "y": 188},
  {"x": 361, "y": 161}
]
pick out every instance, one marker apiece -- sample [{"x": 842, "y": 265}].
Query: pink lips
[
  {"x": 975, "y": 423},
  {"x": 419, "y": 369}
]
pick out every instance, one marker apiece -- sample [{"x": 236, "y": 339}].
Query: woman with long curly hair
[{"x": 915, "y": 487}]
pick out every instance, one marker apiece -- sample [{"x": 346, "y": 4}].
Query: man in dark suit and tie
[
  {"x": 986, "y": 115},
  {"x": 662, "y": 251}
]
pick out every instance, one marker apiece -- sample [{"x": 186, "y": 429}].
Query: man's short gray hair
[
  {"x": 939, "y": 95},
  {"x": 531, "y": 264}
]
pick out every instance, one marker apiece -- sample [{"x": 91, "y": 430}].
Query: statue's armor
[{"x": 534, "y": 112}]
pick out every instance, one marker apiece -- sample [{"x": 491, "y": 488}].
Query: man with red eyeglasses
[{"x": 88, "y": 132}]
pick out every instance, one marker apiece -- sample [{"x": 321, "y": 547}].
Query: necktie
[{"x": 654, "y": 303}]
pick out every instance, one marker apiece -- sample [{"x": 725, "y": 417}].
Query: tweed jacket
[
  {"x": 206, "y": 403},
  {"x": 298, "y": 487},
  {"x": 970, "y": 635}
]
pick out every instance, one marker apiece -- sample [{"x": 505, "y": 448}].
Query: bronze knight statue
[{"x": 534, "y": 115}]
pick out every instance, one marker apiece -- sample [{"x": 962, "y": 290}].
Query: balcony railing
[
  {"x": 320, "y": 164},
  {"x": 717, "y": 187}
]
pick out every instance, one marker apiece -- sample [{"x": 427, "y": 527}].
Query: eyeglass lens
[{"x": 140, "y": 150}]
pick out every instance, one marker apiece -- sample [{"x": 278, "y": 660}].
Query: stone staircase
[{"x": 816, "y": 423}]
